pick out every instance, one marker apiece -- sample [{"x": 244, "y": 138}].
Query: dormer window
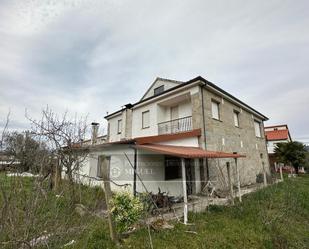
[{"x": 158, "y": 90}]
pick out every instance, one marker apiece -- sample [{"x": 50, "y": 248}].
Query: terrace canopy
[
  {"x": 191, "y": 152},
  {"x": 186, "y": 152}
]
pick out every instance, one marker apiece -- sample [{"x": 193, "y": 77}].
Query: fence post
[
  {"x": 264, "y": 175},
  {"x": 281, "y": 175},
  {"x": 108, "y": 196}
]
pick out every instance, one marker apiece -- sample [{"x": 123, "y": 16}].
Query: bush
[{"x": 126, "y": 210}]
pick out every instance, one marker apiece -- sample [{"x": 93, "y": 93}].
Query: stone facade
[{"x": 223, "y": 135}]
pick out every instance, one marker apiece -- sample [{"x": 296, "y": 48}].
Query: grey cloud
[{"x": 93, "y": 57}]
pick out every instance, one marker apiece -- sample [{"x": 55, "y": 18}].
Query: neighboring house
[
  {"x": 193, "y": 127},
  {"x": 276, "y": 134},
  {"x": 8, "y": 161}
]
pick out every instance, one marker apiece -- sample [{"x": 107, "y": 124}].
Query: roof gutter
[{"x": 233, "y": 99}]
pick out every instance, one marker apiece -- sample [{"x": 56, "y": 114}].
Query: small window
[
  {"x": 158, "y": 90},
  {"x": 119, "y": 127},
  {"x": 257, "y": 127},
  {"x": 99, "y": 167},
  {"x": 236, "y": 118},
  {"x": 172, "y": 168},
  {"x": 215, "y": 110},
  {"x": 103, "y": 162},
  {"x": 145, "y": 119}
]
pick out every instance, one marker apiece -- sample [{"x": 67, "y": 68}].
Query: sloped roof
[
  {"x": 186, "y": 152},
  {"x": 161, "y": 79},
  {"x": 277, "y": 135},
  {"x": 194, "y": 80}
]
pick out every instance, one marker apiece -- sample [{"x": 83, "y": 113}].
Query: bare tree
[
  {"x": 4, "y": 131},
  {"x": 65, "y": 137}
]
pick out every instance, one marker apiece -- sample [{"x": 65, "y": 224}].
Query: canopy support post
[
  {"x": 238, "y": 181},
  {"x": 230, "y": 182},
  {"x": 185, "y": 197}
]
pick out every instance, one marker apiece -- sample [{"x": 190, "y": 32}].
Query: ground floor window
[
  {"x": 103, "y": 162},
  {"x": 172, "y": 168}
]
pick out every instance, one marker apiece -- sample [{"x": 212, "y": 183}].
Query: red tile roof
[
  {"x": 277, "y": 135},
  {"x": 186, "y": 152},
  {"x": 275, "y": 126}
]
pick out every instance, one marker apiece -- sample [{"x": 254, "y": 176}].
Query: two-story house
[{"x": 181, "y": 130}]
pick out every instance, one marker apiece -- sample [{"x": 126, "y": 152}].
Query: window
[
  {"x": 145, "y": 120},
  {"x": 215, "y": 110},
  {"x": 158, "y": 90},
  {"x": 172, "y": 168},
  {"x": 236, "y": 118},
  {"x": 257, "y": 127},
  {"x": 103, "y": 162},
  {"x": 119, "y": 127},
  {"x": 99, "y": 167}
]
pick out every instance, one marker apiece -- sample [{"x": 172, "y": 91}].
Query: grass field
[{"x": 274, "y": 217}]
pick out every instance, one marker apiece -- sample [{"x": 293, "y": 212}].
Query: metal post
[
  {"x": 185, "y": 197},
  {"x": 197, "y": 175},
  {"x": 238, "y": 181},
  {"x": 134, "y": 173}
]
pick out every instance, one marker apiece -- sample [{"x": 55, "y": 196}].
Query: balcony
[{"x": 175, "y": 126}]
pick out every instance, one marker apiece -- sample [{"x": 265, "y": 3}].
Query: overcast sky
[{"x": 91, "y": 56}]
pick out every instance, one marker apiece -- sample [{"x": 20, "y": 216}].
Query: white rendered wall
[{"x": 158, "y": 83}]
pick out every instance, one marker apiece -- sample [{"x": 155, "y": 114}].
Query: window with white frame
[
  {"x": 119, "y": 126},
  {"x": 215, "y": 110},
  {"x": 236, "y": 118},
  {"x": 257, "y": 128},
  {"x": 145, "y": 119}
]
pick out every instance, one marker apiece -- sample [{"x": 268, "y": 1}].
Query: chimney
[{"x": 94, "y": 133}]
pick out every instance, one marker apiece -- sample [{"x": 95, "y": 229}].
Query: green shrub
[{"x": 126, "y": 210}]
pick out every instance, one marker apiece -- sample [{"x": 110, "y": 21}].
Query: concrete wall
[
  {"x": 159, "y": 112},
  {"x": 113, "y": 127},
  {"x": 137, "y": 129},
  {"x": 150, "y": 167}
]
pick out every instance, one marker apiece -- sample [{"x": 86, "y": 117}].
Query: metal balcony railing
[{"x": 175, "y": 126}]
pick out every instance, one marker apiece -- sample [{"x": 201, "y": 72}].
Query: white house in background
[
  {"x": 276, "y": 134},
  {"x": 180, "y": 135}
]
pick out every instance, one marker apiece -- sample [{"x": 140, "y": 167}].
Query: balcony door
[{"x": 174, "y": 118}]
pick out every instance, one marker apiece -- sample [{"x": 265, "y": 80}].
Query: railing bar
[{"x": 174, "y": 120}]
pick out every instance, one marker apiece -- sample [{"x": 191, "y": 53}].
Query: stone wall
[{"x": 223, "y": 135}]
